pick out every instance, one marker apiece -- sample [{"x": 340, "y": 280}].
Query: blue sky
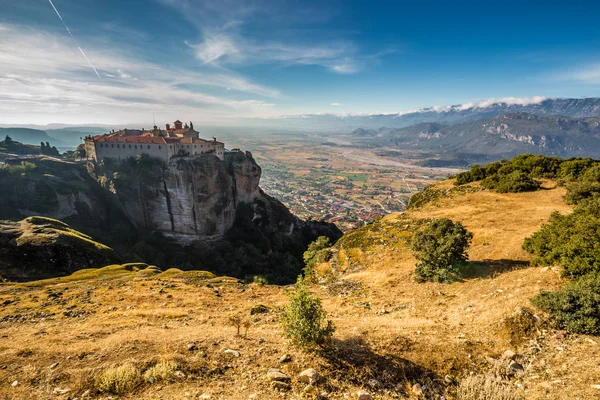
[{"x": 217, "y": 61}]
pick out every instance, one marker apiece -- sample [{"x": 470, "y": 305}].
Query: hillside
[
  {"x": 30, "y": 136},
  {"x": 392, "y": 332}
]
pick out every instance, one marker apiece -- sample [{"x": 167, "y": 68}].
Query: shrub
[
  {"x": 162, "y": 371},
  {"x": 440, "y": 247},
  {"x": 119, "y": 380},
  {"x": 260, "y": 280},
  {"x": 574, "y": 168},
  {"x": 238, "y": 322},
  {"x": 481, "y": 387},
  {"x": 571, "y": 241},
  {"x": 576, "y": 306},
  {"x": 585, "y": 186},
  {"x": 317, "y": 252},
  {"x": 514, "y": 182},
  {"x": 304, "y": 320}
]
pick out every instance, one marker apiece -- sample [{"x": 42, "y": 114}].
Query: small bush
[
  {"x": 119, "y": 380},
  {"x": 260, "y": 280},
  {"x": 162, "y": 371},
  {"x": 576, "y": 306},
  {"x": 304, "y": 320},
  {"x": 317, "y": 252},
  {"x": 480, "y": 387},
  {"x": 440, "y": 248}
]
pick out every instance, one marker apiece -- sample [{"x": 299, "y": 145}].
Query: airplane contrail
[{"x": 68, "y": 30}]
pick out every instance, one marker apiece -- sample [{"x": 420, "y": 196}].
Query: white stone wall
[
  {"x": 200, "y": 148},
  {"x": 122, "y": 151}
]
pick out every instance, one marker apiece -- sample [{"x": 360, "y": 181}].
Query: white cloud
[
  {"x": 336, "y": 104},
  {"x": 223, "y": 49},
  {"x": 43, "y": 76},
  {"x": 588, "y": 74},
  {"x": 227, "y": 39}
]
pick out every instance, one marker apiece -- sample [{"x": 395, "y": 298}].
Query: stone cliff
[
  {"x": 189, "y": 198},
  {"x": 192, "y": 213}
]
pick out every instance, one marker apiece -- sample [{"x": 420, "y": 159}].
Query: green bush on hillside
[
  {"x": 573, "y": 168},
  {"x": 585, "y": 185},
  {"x": 304, "y": 320},
  {"x": 318, "y": 252},
  {"x": 576, "y": 306},
  {"x": 440, "y": 248},
  {"x": 514, "y": 182},
  {"x": 516, "y": 175},
  {"x": 571, "y": 241}
]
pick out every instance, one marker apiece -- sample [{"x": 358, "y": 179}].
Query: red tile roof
[{"x": 130, "y": 139}]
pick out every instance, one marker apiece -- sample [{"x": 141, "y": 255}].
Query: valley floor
[{"x": 57, "y": 335}]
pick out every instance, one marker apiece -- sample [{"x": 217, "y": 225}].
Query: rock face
[
  {"x": 190, "y": 198},
  {"x": 38, "y": 247},
  {"x": 236, "y": 228}
]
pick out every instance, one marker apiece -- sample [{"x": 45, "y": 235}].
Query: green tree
[
  {"x": 8, "y": 140},
  {"x": 304, "y": 320},
  {"x": 440, "y": 247},
  {"x": 191, "y": 125}
]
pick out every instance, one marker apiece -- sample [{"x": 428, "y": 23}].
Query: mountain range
[
  {"x": 502, "y": 136},
  {"x": 448, "y": 115}
]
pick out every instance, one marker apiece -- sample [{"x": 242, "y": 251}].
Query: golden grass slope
[{"x": 120, "y": 327}]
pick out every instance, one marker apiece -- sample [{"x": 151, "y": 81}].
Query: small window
[
  {"x": 135, "y": 146},
  {"x": 194, "y": 146},
  {"x": 170, "y": 146},
  {"x": 112, "y": 145},
  {"x": 148, "y": 146},
  {"x": 159, "y": 147},
  {"x": 129, "y": 146}
]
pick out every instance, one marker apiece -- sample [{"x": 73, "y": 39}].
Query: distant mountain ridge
[
  {"x": 447, "y": 115},
  {"x": 501, "y": 136}
]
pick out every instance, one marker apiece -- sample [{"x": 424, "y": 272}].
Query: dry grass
[
  {"x": 479, "y": 387},
  {"x": 118, "y": 380},
  {"x": 391, "y": 332},
  {"x": 162, "y": 371}
]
